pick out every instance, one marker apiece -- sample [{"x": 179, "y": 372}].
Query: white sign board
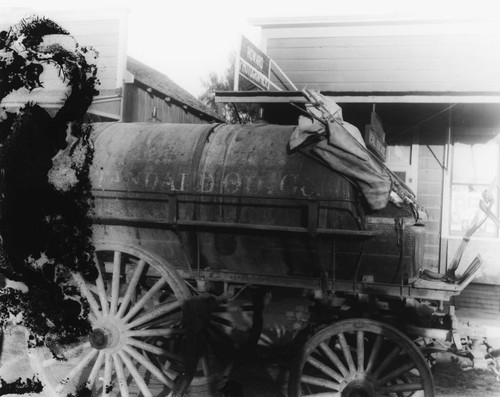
[{"x": 254, "y": 65}]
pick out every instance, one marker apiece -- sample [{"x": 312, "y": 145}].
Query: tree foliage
[{"x": 231, "y": 113}]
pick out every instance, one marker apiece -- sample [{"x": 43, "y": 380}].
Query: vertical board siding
[{"x": 139, "y": 107}]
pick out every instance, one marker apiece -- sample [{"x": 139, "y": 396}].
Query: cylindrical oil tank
[{"x": 181, "y": 191}]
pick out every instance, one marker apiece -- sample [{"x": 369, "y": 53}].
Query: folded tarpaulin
[{"x": 342, "y": 149}]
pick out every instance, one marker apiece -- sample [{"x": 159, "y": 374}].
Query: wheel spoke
[
  {"x": 76, "y": 370},
  {"x": 388, "y": 359},
  {"x": 204, "y": 365},
  {"x": 147, "y": 296},
  {"x": 131, "y": 287},
  {"x": 222, "y": 321},
  {"x": 120, "y": 375},
  {"x": 326, "y": 370},
  {"x": 395, "y": 382},
  {"x": 155, "y": 313},
  {"x": 95, "y": 370},
  {"x": 402, "y": 387},
  {"x": 103, "y": 296},
  {"x": 108, "y": 371},
  {"x": 396, "y": 373},
  {"x": 136, "y": 302},
  {"x": 156, "y": 332},
  {"x": 146, "y": 363},
  {"x": 68, "y": 353},
  {"x": 360, "y": 347},
  {"x": 347, "y": 353},
  {"x": 47, "y": 363},
  {"x": 219, "y": 333},
  {"x": 374, "y": 353},
  {"x": 265, "y": 340},
  {"x": 360, "y": 356},
  {"x": 135, "y": 374},
  {"x": 115, "y": 284},
  {"x": 334, "y": 358},
  {"x": 312, "y": 380},
  {"x": 86, "y": 292},
  {"x": 154, "y": 349}
]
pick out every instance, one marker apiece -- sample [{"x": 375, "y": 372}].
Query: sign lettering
[
  {"x": 232, "y": 183},
  {"x": 375, "y": 137},
  {"x": 255, "y": 66}
]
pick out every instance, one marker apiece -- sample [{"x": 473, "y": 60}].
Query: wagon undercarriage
[{"x": 158, "y": 329}]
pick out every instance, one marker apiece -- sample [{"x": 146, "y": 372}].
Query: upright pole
[{"x": 237, "y": 65}]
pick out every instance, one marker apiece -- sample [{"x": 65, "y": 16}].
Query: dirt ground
[
  {"x": 451, "y": 381},
  {"x": 257, "y": 378},
  {"x": 266, "y": 374}
]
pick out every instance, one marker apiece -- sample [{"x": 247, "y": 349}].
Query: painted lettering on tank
[
  {"x": 260, "y": 184},
  {"x": 174, "y": 185},
  {"x": 182, "y": 186},
  {"x": 116, "y": 178},
  {"x": 207, "y": 183},
  {"x": 135, "y": 178},
  {"x": 151, "y": 180},
  {"x": 288, "y": 184},
  {"x": 232, "y": 183},
  {"x": 304, "y": 192},
  {"x": 250, "y": 185},
  {"x": 253, "y": 185}
]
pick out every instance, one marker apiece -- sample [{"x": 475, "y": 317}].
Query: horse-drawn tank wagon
[{"x": 188, "y": 217}]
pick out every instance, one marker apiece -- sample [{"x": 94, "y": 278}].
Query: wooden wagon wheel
[
  {"x": 360, "y": 358},
  {"x": 135, "y": 343},
  {"x": 232, "y": 334}
]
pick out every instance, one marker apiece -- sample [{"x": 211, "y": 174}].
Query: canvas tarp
[{"x": 340, "y": 146}]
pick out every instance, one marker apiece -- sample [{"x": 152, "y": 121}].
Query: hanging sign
[
  {"x": 254, "y": 65},
  {"x": 375, "y": 137}
]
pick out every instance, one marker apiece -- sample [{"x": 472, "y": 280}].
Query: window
[{"x": 475, "y": 168}]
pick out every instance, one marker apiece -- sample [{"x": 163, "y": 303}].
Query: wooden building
[
  {"x": 435, "y": 84},
  {"x": 149, "y": 94},
  {"x": 128, "y": 91}
]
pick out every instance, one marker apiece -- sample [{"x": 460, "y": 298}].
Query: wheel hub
[
  {"x": 359, "y": 388},
  {"x": 107, "y": 334},
  {"x": 99, "y": 338}
]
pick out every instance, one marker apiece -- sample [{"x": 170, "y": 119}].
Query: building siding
[
  {"x": 482, "y": 297},
  {"x": 388, "y": 57},
  {"x": 106, "y": 33},
  {"x": 138, "y": 107}
]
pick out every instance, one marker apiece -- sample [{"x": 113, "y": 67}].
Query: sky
[{"x": 187, "y": 39}]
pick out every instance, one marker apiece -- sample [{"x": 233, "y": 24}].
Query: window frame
[{"x": 448, "y": 183}]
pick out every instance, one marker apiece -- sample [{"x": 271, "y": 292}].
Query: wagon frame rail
[
  {"x": 438, "y": 291},
  {"x": 174, "y": 200}
]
